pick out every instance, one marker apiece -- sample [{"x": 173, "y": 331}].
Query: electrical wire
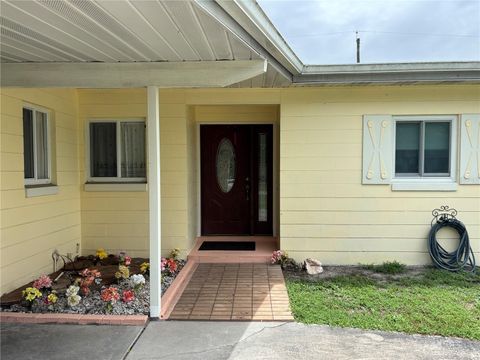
[
  {"x": 462, "y": 258},
  {"x": 308, "y": 35}
]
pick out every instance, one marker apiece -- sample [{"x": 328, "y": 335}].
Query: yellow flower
[
  {"x": 174, "y": 253},
  {"x": 52, "y": 298},
  {"x": 31, "y": 293},
  {"x": 144, "y": 267},
  {"x": 101, "y": 253},
  {"x": 123, "y": 272}
]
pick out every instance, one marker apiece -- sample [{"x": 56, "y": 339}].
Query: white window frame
[
  {"x": 118, "y": 178},
  {"x": 35, "y": 180},
  {"x": 431, "y": 179}
]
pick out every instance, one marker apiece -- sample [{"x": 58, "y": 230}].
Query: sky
[{"x": 323, "y": 31}]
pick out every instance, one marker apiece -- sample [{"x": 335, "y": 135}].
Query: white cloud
[{"x": 323, "y": 31}]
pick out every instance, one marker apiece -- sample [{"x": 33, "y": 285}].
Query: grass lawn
[{"x": 432, "y": 302}]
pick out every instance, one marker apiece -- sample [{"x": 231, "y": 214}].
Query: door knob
[{"x": 247, "y": 188}]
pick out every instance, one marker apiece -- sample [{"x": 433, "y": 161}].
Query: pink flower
[
  {"x": 42, "y": 282},
  {"x": 163, "y": 263},
  {"x": 128, "y": 295},
  {"x": 128, "y": 260},
  {"x": 279, "y": 256}
]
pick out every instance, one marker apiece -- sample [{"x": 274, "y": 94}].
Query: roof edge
[
  {"x": 392, "y": 68},
  {"x": 253, "y": 19}
]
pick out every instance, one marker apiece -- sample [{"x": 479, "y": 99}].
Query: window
[
  {"x": 424, "y": 147},
  {"x": 116, "y": 151},
  {"x": 36, "y": 146}
]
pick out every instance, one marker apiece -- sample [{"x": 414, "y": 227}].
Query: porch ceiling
[{"x": 112, "y": 31}]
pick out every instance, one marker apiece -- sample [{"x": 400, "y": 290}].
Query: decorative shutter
[
  {"x": 470, "y": 149},
  {"x": 377, "y": 149}
]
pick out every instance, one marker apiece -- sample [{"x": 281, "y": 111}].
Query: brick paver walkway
[{"x": 234, "y": 292}]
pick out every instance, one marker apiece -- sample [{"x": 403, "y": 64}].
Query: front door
[{"x": 236, "y": 179}]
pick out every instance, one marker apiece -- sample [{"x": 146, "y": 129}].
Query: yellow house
[{"x": 142, "y": 129}]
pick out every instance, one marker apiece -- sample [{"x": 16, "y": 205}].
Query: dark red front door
[{"x": 236, "y": 178}]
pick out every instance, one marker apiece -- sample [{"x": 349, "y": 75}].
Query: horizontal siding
[
  {"x": 118, "y": 221},
  {"x": 325, "y": 210},
  {"x": 31, "y": 228}
]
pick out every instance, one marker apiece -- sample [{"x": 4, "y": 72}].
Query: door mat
[{"x": 228, "y": 245}]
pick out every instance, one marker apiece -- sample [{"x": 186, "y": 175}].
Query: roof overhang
[
  {"x": 395, "y": 73},
  {"x": 250, "y": 16},
  {"x": 119, "y": 75}
]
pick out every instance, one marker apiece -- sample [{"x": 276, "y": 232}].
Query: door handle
[{"x": 247, "y": 188}]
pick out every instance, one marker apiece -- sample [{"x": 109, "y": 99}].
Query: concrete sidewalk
[
  {"x": 222, "y": 340},
  {"x": 274, "y": 340},
  {"x": 62, "y": 341}
]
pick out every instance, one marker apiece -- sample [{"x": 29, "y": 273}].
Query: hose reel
[{"x": 461, "y": 258}]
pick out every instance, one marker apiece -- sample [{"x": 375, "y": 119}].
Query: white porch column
[{"x": 154, "y": 198}]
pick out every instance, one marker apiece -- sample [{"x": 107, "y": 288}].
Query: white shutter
[
  {"x": 470, "y": 149},
  {"x": 377, "y": 149}
]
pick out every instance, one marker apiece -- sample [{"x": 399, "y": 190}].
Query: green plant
[
  {"x": 431, "y": 302},
  {"x": 388, "y": 267}
]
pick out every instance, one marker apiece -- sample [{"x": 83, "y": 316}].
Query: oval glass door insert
[{"x": 225, "y": 164}]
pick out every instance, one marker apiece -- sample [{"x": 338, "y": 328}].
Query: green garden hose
[{"x": 462, "y": 258}]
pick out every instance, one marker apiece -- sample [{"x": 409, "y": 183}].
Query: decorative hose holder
[{"x": 460, "y": 259}]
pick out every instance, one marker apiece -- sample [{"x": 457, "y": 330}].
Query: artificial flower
[
  {"x": 163, "y": 264},
  {"x": 122, "y": 273},
  {"x": 89, "y": 276},
  {"x": 31, "y": 293},
  {"x": 172, "y": 265},
  {"x": 52, "y": 298},
  {"x": 279, "y": 257},
  {"x": 137, "y": 280},
  {"x": 110, "y": 295},
  {"x": 43, "y": 282},
  {"x": 128, "y": 296},
  {"x": 145, "y": 267},
  {"x": 73, "y": 300},
  {"x": 174, "y": 253},
  {"x": 101, "y": 254},
  {"x": 127, "y": 260},
  {"x": 72, "y": 290}
]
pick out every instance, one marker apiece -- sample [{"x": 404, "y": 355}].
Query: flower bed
[{"x": 101, "y": 284}]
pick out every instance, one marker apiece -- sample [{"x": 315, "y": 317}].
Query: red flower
[
  {"x": 128, "y": 295},
  {"x": 128, "y": 260},
  {"x": 172, "y": 265},
  {"x": 110, "y": 295},
  {"x": 85, "y": 290}
]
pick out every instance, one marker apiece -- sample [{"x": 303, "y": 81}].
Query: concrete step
[{"x": 264, "y": 247}]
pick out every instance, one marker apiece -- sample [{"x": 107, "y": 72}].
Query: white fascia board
[
  {"x": 249, "y": 14},
  {"x": 128, "y": 75},
  {"x": 395, "y": 73},
  {"x": 391, "y": 67},
  {"x": 231, "y": 24}
]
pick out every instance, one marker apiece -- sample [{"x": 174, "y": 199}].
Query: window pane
[
  {"x": 262, "y": 178},
  {"x": 407, "y": 148},
  {"x": 28, "y": 144},
  {"x": 42, "y": 145},
  {"x": 133, "y": 149},
  {"x": 437, "y": 147},
  {"x": 225, "y": 165},
  {"x": 103, "y": 149}
]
